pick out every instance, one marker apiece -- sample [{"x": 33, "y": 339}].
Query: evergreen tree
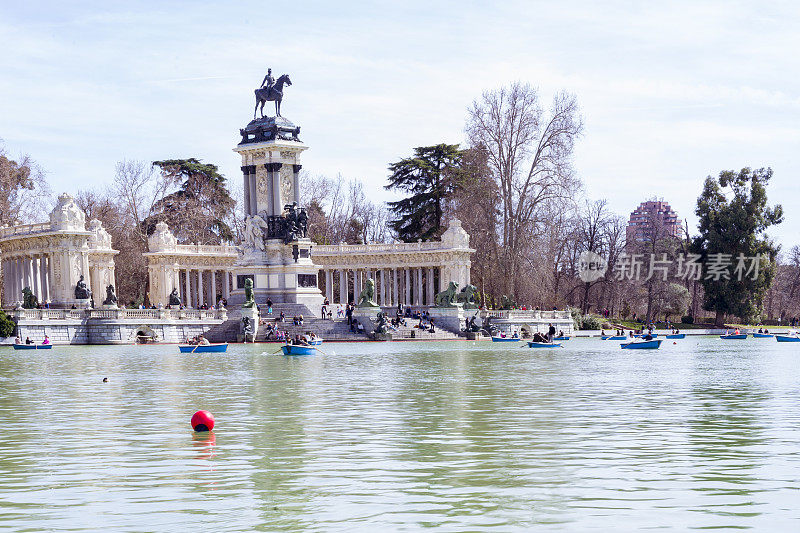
[
  {"x": 734, "y": 215},
  {"x": 428, "y": 178},
  {"x": 199, "y": 210}
]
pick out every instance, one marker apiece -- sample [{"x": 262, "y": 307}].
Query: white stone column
[
  {"x": 187, "y": 297},
  {"x": 200, "y": 299},
  {"x": 43, "y": 270},
  {"x": 214, "y": 287},
  {"x": 429, "y": 296},
  {"x": 5, "y": 281},
  {"x": 394, "y": 287},
  {"x": 383, "y": 287},
  {"x": 329, "y": 285},
  {"x": 35, "y": 286},
  {"x": 418, "y": 287},
  {"x": 342, "y": 286},
  {"x": 15, "y": 274},
  {"x": 19, "y": 277},
  {"x": 406, "y": 285},
  {"x": 23, "y": 277},
  {"x": 226, "y": 284}
]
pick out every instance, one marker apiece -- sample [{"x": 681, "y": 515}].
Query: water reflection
[{"x": 401, "y": 436}]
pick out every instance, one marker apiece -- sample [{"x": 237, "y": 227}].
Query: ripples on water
[{"x": 402, "y": 436}]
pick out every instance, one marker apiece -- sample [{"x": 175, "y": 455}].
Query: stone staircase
[
  {"x": 407, "y": 333},
  {"x": 336, "y": 329},
  {"x": 330, "y": 330}
]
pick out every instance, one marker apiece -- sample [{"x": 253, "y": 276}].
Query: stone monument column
[
  {"x": 274, "y": 180},
  {"x": 277, "y": 255},
  {"x": 249, "y": 172},
  {"x": 296, "y": 182}
]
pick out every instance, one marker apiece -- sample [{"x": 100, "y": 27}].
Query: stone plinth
[
  {"x": 283, "y": 273},
  {"x": 452, "y": 319},
  {"x": 252, "y": 314},
  {"x": 368, "y": 317}
]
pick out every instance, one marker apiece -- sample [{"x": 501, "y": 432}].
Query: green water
[{"x": 459, "y": 436}]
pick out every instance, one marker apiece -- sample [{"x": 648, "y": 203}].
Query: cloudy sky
[{"x": 670, "y": 91}]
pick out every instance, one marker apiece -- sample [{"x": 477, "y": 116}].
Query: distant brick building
[{"x": 653, "y": 219}]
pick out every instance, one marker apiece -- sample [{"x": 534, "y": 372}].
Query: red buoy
[{"x": 203, "y": 421}]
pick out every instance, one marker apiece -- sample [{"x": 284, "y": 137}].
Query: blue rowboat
[
  {"x": 787, "y": 338},
  {"x": 295, "y": 349},
  {"x": 315, "y": 342},
  {"x": 763, "y": 335},
  {"x": 33, "y": 346},
  {"x": 643, "y": 335},
  {"x": 505, "y": 339},
  {"x": 564, "y": 338},
  {"x": 642, "y": 345},
  {"x": 204, "y": 348},
  {"x": 614, "y": 338},
  {"x": 532, "y": 344},
  {"x": 732, "y": 337},
  {"x": 677, "y": 336}
]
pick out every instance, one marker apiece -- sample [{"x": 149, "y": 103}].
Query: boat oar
[
  {"x": 320, "y": 351},
  {"x": 279, "y": 350}
]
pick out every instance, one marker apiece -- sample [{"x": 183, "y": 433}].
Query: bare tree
[
  {"x": 24, "y": 192},
  {"x": 529, "y": 153},
  {"x": 138, "y": 189},
  {"x": 339, "y": 211}
]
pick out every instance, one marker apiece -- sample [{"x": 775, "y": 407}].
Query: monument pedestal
[
  {"x": 452, "y": 319},
  {"x": 283, "y": 273},
  {"x": 251, "y": 313},
  {"x": 368, "y": 317}
]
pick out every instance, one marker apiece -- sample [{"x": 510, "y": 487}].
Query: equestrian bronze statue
[{"x": 272, "y": 92}]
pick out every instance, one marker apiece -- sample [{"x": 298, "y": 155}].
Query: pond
[{"x": 403, "y": 436}]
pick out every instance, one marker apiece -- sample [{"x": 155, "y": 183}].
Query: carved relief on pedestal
[{"x": 287, "y": 185}]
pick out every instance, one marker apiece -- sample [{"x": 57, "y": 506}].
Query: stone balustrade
[
  {"x": 520, "y": 314},
  {"x": 119, "y": 314},
  {"x": 25, "y": 229},
  {"x": 395, "y": 247}
]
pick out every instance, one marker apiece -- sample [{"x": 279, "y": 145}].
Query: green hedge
[{"x": 6, "y": 325}]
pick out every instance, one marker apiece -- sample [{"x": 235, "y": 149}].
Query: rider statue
[{"x": 269, "y": 81}]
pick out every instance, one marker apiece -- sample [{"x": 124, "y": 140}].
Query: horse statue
[
  {"x": 367, "y": 297},
  {"x": 271, "y": 94},
  {"x": 447, "y": 298}
]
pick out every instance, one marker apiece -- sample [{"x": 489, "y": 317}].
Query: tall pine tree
[
  {"x": 428, "y": 177},
  {"x": 199, "y": 210},
  {"x": 733, "y": 217}
]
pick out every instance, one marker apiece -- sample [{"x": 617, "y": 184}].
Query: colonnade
[
  {"x": 415, "y": 286},
  {"x": 201, "y": 286},
  {"x": 31, "y": 271}
]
